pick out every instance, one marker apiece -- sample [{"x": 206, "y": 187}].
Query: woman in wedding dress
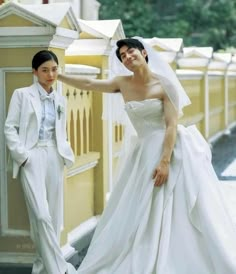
[{"x": 166, "y": 214}]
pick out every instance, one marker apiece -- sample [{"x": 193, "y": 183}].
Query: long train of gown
[{"x": 182, "y": 227}]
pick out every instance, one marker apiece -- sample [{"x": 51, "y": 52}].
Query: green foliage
[
  {"x": 211, "y": 22},
  {"x": 139, "y": 18},
  {"x": 198, "y": 22}
]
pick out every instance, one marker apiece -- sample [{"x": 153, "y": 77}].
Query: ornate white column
[{"x": 89, "y": 9}]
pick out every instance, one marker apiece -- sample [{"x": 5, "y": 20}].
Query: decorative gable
[
  {"x": 220, "y": 61},
  {"x": 14, "y": 13},
  {"x": 66, "y": 24},
  {"x": 166, "y": 44},
  {"x": 195, "y": 57},
  {"x": 14, "y": 20},
  {"x": 105, "y": 29},
  {"x": 52, "y": 25},
  {"x": 168, "y": 48},
  {"x": 96, "y": 38}
]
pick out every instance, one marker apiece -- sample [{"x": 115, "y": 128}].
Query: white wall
[
  {"x": 84, "y": 9},
  {"x": 29, "y": 1},
  {"x": 90, "y": 9}
]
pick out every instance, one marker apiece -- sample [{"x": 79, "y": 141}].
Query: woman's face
[{"x": 47, "y": 74}]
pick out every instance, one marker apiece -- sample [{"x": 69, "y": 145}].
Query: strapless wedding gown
[{"x": 182, "y": 227}]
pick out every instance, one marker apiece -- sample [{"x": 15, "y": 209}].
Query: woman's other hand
[{"x": 161, "y": 173}]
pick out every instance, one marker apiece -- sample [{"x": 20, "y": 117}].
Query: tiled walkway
[{"x": 223, "y": 154}]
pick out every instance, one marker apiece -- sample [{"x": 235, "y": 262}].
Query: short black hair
[
  {"x": 43, "y": 56},
  {"x": 130, "y": 43}
]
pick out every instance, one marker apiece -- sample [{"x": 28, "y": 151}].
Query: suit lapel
[
  {"x": 58, "y": 103},
  {"x": 36, "y": 102}
]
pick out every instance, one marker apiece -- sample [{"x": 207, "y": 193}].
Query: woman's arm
[
  {"x": 12, "y": 127},
  {"x": 104, "y": 85},
  {"x": 171, "y": 119}
]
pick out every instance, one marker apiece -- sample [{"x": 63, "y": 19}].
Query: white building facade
[{"x": 84, "y": 9}]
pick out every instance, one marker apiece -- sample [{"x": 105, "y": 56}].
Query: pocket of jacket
[{"x": 27, "y": 160}]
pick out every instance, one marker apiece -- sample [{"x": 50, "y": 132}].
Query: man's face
[{"x": 132, "y": 57}]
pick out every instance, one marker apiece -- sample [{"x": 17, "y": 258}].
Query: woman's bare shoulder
[{"x": 123, "y": 78}]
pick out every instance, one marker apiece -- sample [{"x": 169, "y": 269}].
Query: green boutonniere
[{"x": 60, "y": 110}]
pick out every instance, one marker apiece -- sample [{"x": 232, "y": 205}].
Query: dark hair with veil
[
  {"x": 157, "y": 65},
  {"x": 130, "y": 43}
]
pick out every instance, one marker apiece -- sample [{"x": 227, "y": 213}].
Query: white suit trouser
[{"x": 42, "y": 181}]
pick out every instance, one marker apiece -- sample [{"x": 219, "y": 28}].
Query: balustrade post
[
  {"x": 206, "y": 104},
  {"x": 226, "y": 91}
]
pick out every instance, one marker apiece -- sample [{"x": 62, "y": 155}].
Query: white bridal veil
[{"x": 161, "y": 68}]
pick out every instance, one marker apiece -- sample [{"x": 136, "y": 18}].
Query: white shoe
[{"x": 71, "y": 269}]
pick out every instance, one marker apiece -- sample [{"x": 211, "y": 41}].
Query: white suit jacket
[{"x": 23, "y": 123}]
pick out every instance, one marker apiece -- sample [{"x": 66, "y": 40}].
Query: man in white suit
[{"x": 35, "y": 131}]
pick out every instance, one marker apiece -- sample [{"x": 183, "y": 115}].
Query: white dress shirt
[{"x": 47, "y": 126}]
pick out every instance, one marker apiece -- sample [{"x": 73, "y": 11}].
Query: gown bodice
[{"x": 146, "y": 116}]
